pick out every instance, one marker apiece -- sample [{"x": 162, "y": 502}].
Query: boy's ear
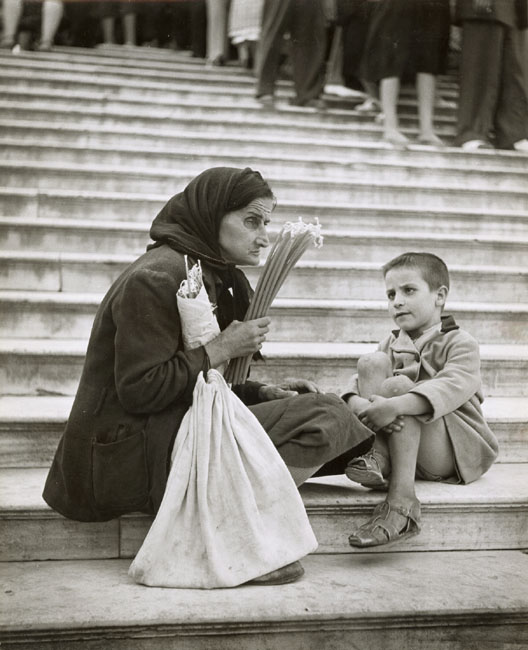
[{"x": 441, "y": 296}]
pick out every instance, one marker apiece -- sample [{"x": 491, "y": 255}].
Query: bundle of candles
[{"x": 291, "y": 243}]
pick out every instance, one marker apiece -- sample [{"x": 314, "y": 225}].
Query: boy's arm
[
  {"x": 456, "y": 382},
  {"x": 382, "y": 412},
  {"x": 433, "y": 398}
]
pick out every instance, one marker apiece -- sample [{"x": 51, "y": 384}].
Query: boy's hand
[{"x": 381, "y": 414}]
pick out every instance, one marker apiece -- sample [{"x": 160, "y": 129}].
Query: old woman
[{"x": 138, "y": 379}]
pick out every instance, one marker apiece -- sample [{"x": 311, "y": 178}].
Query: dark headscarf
[{"x": 190, "y": 222}]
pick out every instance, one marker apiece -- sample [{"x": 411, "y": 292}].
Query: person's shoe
[
  {"x": 396, "y": 139},
  {"x": 316, "y": 102},
  {"x": 431, "y": 140},
  {"x": 337, "y": 90},
  {"x": 43, "y": 46},
  {"x": 370, "y": 105},
  {"x": 382, "y": 528},
  {"x": 473, "y": 145},
  {"x": 521, "y": 145},
  {"x": 267, "y": 101},
  {"x": 366, "y": 471},
  {"x": 289, "y": 573},
  {"x": 217, "y": 62}
]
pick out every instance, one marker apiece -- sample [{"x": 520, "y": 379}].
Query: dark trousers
[
  {"x": 314, "y": 430},
  {"x": 305, "y": 21},
  {"x": 493, "y": 95}
]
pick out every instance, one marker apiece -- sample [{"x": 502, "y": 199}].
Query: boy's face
[{"x": 413, "y": 306}]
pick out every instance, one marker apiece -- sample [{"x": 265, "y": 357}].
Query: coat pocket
[{"x": 120, "y": 474}]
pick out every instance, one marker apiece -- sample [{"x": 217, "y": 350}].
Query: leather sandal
[
  {"x": 289, "y": 573},
  {"x": 366, "y": 471},
  {"x": 380, "y": 530}
]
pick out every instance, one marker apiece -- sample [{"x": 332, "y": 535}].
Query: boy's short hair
[{"x": 432, "y": 269}]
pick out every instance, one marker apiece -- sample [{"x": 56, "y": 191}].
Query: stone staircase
[{"x": 93, "y": 143}]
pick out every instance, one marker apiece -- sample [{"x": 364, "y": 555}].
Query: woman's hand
[
  {"x": 289, "y": 388},
  {"x": 381, "y": 415},
  {"x": 239, "y": 339}
]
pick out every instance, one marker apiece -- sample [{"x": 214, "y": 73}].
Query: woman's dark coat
[
  {"x": 137, "y": 381},
  {"x": 136, "y": 385}
]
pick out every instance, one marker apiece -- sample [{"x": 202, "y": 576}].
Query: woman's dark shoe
[
  {"x": 382, "y": 529},
  {"x": 289, "y": 573},
  {"x": 366, "y": 471}
]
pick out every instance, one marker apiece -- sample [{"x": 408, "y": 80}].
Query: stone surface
[
  {"x": 482, "y": 596},
  {"x": 491, "y": 513}
]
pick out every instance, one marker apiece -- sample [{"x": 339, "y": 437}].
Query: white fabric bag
[{"x": 231, "y": 511}]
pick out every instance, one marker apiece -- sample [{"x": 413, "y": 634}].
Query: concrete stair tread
[
  {"x": 197, "y": 82},
  {"x": 350, "y": 208},
  {"x": 79, "y": 104},
  {"x": 115, "y": 258},
  {"x": 56, "y": 408},
  {"x": 343, "y": 233},
  {"x": 156, "y": 60},
  {"x": 117, "y": 55},
  {"x": 94, "y": 299},
  {"x": 504, "y": 483},
  {"x": 347, "y": 160},
  {"x": 490, "y": 513},
  {"x": 177, "y": 176},
  {"x": 338, "y": 595},
  {"x": 230, "y": 99},
  {"x": 322, "y": 350},
  {"x": 454, "y": 156}
]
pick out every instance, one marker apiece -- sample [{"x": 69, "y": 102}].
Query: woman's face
[{"x": 243, "y": 232}]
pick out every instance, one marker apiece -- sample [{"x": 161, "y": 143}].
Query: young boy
[{"x": 420, "y": 392}]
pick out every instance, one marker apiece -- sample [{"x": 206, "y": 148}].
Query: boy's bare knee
[
  {"x": 398, "y": 385},
  {"x": 375, "y": 363}
]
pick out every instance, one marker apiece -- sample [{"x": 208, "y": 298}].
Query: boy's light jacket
[{"x": 444, "y": 362}]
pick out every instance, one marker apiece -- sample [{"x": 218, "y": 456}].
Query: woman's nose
[{"x": 262, "y": 237}]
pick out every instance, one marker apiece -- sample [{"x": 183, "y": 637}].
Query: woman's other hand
[
  {"x": 239, "y": 339},
  {"x": 289, "y": 388}
]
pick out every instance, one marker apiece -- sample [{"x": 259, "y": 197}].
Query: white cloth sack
[{"x": 231, "y": 511}]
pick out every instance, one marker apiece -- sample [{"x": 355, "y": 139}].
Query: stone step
[
  {"x": 95, "y": 272},
  {"x": 42, "y": 314},
  {"x": 45, "y": 215},
  {"x": 30, "y": 428},
  {"x": 491, "y": 513},
  {"x": 92, "y": 109},
  {"x": 199, "y": 142},
  {"x": 53, "y": 366},
  {"x": 327, "y": 166},
  {"x": 161, "y": 58},
  {"x": 476, "y": 599},
  {"x": 342, "y": 245},
  {"x": 165, "y": 64},
  {"x": 167, "y": 84},
  {"x": 363, "y": 191}
]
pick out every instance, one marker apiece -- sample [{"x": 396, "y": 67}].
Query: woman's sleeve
[
  {"x": 248, "y": 392},
  {"x": 151, "y": 368}
]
